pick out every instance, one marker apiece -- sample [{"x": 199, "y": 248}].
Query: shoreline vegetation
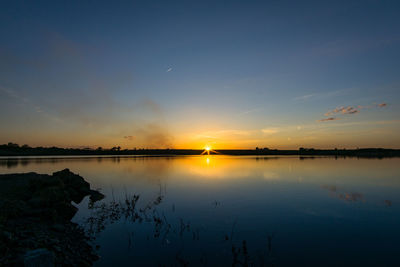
[
  {"x": 36, "y": 227},
  {"x": 12, "y": 149},
  {"x": 35, "y": 220}
]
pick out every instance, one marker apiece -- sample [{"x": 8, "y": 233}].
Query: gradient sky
[{"x": 230, "y": 74}]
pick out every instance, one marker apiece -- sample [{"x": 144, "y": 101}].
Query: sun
[{"x": 208, "y": 149}]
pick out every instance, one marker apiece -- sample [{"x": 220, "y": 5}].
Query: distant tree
[
  {"x": 25, "y": 146},
  {"x": 99, "y": 148},
  {"x": 12, "y": 145},
  {"x": 257, "y": 148},
  {"x": 118, "y": 148}
]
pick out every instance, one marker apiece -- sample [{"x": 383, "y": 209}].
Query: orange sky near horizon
[{"x": 333, "y": 135}]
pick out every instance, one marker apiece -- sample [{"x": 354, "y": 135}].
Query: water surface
[{"x": 216, "y": 210}]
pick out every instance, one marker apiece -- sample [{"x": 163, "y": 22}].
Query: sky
[{"x": 186, "y": 74}]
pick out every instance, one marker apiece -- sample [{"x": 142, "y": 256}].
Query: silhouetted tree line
[
  {"x": 12, "y": 149},
  {"x": 359, "y": 152}
]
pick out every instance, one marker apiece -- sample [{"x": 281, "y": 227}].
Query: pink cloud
[
  {"x": 343, "y": 110},
  {"x": 328, "y": 119},
  {"x": 348, "y": 110}
]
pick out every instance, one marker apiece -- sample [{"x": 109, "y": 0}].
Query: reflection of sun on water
[
  {"x": 214, "y": 166},
  {"x": 218, "y": 167}
]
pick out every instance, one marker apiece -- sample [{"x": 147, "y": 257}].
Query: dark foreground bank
[{"x": 35, "y": 220}]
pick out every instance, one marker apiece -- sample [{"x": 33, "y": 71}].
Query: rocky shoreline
[{"x": 35, "y": 220}]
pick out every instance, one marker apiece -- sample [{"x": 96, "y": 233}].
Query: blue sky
[{"x": 186, "y": 74}]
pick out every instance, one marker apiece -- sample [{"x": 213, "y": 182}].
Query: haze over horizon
[{"x": 172, "y": 74}]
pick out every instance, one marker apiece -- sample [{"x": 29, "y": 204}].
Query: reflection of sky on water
[{"x": 315, "y": 211}]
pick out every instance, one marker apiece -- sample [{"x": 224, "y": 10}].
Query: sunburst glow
[{"x": 208, "y": 149}]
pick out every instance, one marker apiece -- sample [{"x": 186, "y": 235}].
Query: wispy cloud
[
  {"x": 361, "y": 123},
  {"x": 153, "y": 135},
  {"x": 169, "y": 69},
  {"x": 365, "y": 107},
  {"x": 129, "y": 137},
  {"x": 204, "y": 136},
  {"x": 270, "y": 131},
  {"x": 233, "y": 133},
  {"x": 324, "y": 95},
  {"x": 12, "y": 93},
  {"x": 251, "y": 111},
  {"x": 348, "y": 110},
  {"x": 304, "y": 97},
  {"x": 381, "y": 105},
  {"x": 329, "y": 119},
  {"x": 343, "y": 110},
  {"x": 217, "y": 134},
  {"x": 342, "y": 47}
]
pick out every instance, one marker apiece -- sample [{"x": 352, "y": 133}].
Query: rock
[
  {"x": 11, "y": 209},
  {"x": 50, "y": 195},
  {"x": 58, "y": 227},
  {"x": 39, "y": 257},
  {"x": 7, "y": 235},
  {"x": 77, "y": 187},
  {"x": 65, "y": 210},
  {"x": 35, "y": 216},
  {"x": 38, "y": 182},
  {"x": 37, "y": 212},
  {"x": 35, "y": 202}
]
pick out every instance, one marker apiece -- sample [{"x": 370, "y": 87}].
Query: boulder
[
  {"x": 35, "y": 220},
  {"x": 76, "y": 186}
]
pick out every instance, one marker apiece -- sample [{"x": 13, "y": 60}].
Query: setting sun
[{"x": 207, "y": 150}]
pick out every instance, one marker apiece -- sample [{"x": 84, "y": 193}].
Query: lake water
[{"x": 219, "y": 210}]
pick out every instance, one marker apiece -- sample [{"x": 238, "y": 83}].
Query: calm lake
[{"x": 220, "y": 210}]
